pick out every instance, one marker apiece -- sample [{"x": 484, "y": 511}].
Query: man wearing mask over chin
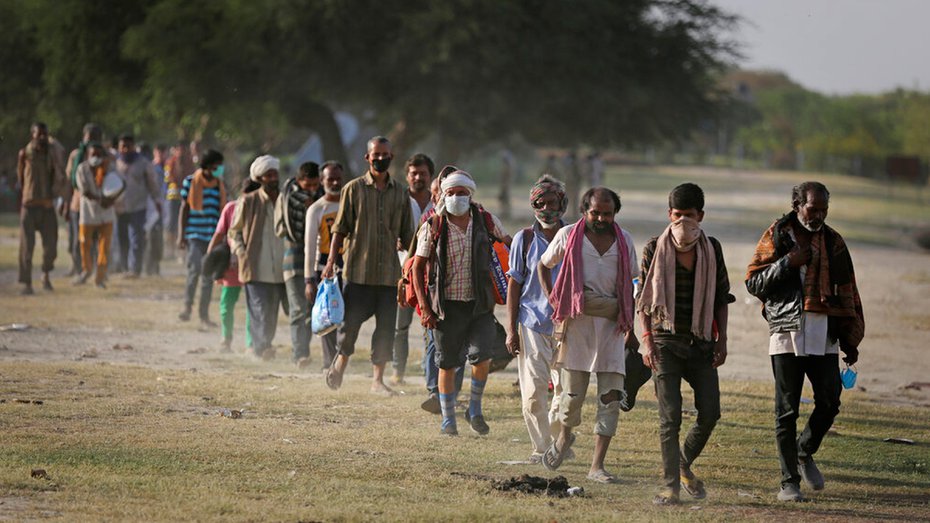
[
  {"x": 803, "y": 274},
  {"x": 261, "y": 254},
  {"x": 374, "y": 212},
  {"x": 529, "y": 336},
  {"x": 141, "y": 182},
  {"x": 455, "y": 247},
  {"x": 683, "y": 304}
]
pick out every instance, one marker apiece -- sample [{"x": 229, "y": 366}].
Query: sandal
[
  {"x": 333, "y": 378},
  {"x": 666, "y": 497},
  {"x": 553, "y": 457},
  {"x": 693, "y": 486},
  {"x": 602, "y": 476}
]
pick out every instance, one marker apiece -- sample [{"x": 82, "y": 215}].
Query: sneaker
[
  {"x": 790, "y": 492},
  {"x": 185, "y": 315},
  {"x": 478, "y": 425},
  {"x": 432, "y": 404},
  {"x": 449, "y": 430},
  {"x": 810, "y": 473}
]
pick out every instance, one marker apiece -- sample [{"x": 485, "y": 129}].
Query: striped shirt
[{"x": 201, "y": 224}]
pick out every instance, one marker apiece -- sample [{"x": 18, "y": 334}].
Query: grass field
[{"x": 130, "y": 443}]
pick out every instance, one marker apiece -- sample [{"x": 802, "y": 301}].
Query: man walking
[
  {"x": 261, "y": 254},
  {"x": 420, "y": 169},
  {"x": 683, "y": 304},
  {"x": 96, "y": 212},
  {"x": 803, "y": 274},
  {"x": 177, "y": 167},
  {"x": 290, "y": 212},
  {"x": 41, "y": 177},
  {"x": 374, "y": 214},
  {"x": 454, "y": 247},
  {"x": 529, "y": 336},
  {"x": 317, "y": 240},
  {"x": 91, "y": 133},
  {"x": 142, "y": 183},
  {"x": 203, "y": 196},
  {"x": 593, "y": 296}
]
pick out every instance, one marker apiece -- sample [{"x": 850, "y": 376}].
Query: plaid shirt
[{"x": 459, "y": 285}]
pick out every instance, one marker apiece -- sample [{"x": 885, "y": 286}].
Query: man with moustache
[{"x": 803, "y": 274}]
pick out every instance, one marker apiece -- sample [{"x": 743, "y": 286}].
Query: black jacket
[{"x": 779, "y": 288}]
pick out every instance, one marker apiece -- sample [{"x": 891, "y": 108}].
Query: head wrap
[
  {"x": 547, "y": 185},
  {"x": 263, "y": 164},
  {"x": 459, "y": 179}
]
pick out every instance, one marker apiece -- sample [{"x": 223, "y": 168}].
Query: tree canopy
[{"x": 596, "y": 72}]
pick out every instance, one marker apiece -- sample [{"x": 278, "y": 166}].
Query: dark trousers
[
  {"x": 43, "y": 221},
  {"x": 299, "y": 315},
  {"x": 74, "y": 240},
  {"x": 130, "y": 232},
  {"x": 401, "y": 343},
  {"x": 824, "y": 375},
  {"x": 363, "y": 302},
  {"x": 263, "y": 300},
  {"x": 196, "y": 250},
  {"x": 154, "y": 250},
  {"x": 695, "y": 367}
]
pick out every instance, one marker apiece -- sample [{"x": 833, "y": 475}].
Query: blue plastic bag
[
  {"x": 329, "y": 309},
  {"x": 848, "y": 377}
]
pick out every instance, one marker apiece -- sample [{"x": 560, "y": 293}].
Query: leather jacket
[{"x": 779, "y": 288}]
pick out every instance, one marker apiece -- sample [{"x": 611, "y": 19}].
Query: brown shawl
[{"x": 829, "y": 285}]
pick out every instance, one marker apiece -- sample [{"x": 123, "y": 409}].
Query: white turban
[
  {"x": 458, "y": 179},
  {"x": 263, "y": 164}
]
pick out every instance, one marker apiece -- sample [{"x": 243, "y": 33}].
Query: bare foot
[{"x": 380, "y": 389}]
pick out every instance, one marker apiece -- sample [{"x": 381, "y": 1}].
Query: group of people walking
[{"x": 572, "y": 294}]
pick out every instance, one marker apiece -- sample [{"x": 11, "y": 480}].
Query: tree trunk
[{"x": 321, "y": 119}]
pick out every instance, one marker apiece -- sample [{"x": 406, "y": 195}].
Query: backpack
[{"x": 406, "y": 295}]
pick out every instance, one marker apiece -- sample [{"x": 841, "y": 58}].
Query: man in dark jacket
[{"x": 803, "y": 273}]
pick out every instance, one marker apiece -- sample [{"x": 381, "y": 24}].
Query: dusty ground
[{"x": 894, "y": 280}]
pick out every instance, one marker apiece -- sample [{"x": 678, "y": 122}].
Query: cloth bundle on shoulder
[{"x": 216, "y": 262}]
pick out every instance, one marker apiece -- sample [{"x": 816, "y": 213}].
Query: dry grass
[{"x": 130, "y": 443}]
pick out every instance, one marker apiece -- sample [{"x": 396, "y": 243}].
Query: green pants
[{"x": 228, "y": 298}]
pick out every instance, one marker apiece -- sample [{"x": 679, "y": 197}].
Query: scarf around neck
[
  {"x": 567, "y": 298},
  {"x": 658, "y": 297},
  {"x": 198, "y": 183}
]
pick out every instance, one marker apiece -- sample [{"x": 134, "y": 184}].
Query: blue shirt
[
  {"x": 535, "y": 311},
  {"x": 201, "y": 224}
]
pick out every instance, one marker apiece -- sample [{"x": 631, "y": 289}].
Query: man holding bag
[
  {"x": 374, "y": 213},
  {"x": 317, "y": 240}
]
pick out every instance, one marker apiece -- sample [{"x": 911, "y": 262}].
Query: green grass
[{"x": 130, "y": 443}]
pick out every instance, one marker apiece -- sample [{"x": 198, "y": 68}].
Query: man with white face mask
[
  {"x": 455, "y": 247},
  {"x": 529, "y": 336},
  {"x": 803, "y": 274},
  {"x": 683, "y": 304}
]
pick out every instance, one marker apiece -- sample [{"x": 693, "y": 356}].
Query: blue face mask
[{"x": 218, "y": 172}]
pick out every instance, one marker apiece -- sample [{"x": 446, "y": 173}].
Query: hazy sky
[{"x": 838, "y": 46}]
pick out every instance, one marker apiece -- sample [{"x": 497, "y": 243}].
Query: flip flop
[
  {"x": 602, "y": 476},
  {"x": 553, "y": 457}
]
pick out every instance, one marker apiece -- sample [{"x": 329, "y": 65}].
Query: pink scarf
[{"x": 567, "y": 296}]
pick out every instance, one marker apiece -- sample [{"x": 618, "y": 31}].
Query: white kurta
[{"x": 590, "y": 343}]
